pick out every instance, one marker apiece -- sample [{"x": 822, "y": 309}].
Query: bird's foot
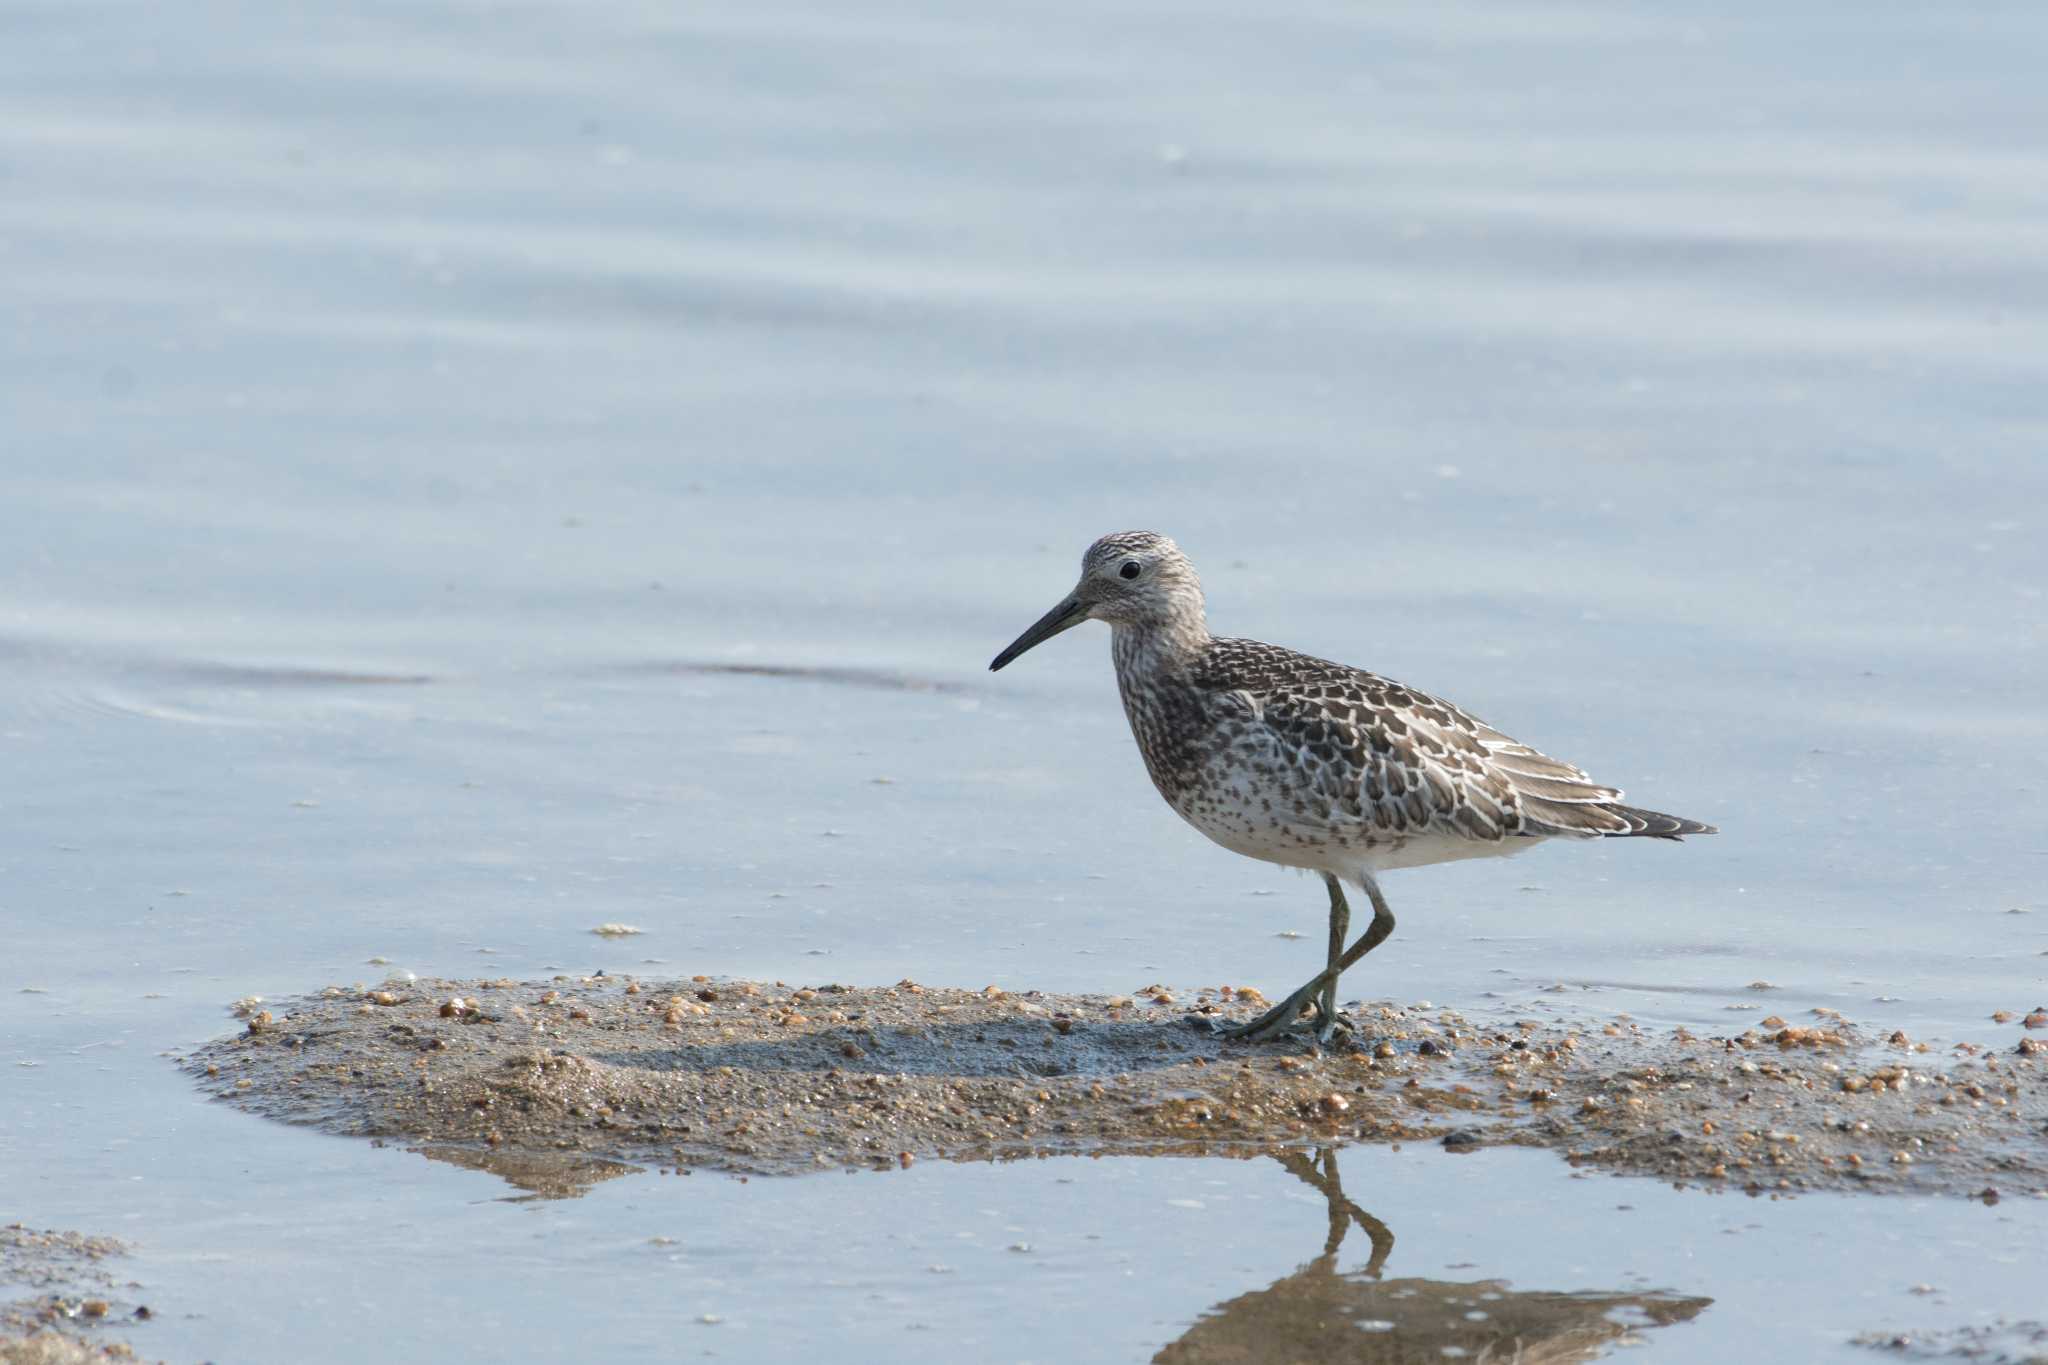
[
  {"x": 1333, "y": 1023},
  {"x": 1281, "y": 1020}
]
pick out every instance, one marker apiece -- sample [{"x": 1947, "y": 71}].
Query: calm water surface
[{"x": 475, "y": 471}]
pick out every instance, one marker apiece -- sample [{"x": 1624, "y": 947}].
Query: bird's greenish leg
[
  {"x": 1280, "y": 1018},
  {"x": 1340, "y": 929}
]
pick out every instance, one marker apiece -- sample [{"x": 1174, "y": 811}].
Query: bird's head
[{"x": 1132, "y": 578}]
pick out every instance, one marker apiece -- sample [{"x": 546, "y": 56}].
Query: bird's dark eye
[{"x": 1131, "y": 568}]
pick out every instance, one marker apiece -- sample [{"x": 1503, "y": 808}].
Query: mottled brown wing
[
  {"x": 1409, "y": 763},
  {"x": 1392, "y": 769}
]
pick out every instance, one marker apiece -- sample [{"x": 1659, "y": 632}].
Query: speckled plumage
[{"x": 1297, "y": 760}]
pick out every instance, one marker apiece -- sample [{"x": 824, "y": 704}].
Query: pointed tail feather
[{"x": 1654, "y": 824}]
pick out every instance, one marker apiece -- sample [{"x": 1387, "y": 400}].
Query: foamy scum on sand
[{"x": 559, "y": 1083}]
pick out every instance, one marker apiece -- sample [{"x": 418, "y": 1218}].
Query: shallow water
[
  {"x": 1112, "y": 1259},
  {"x": 477, "y": 472}
]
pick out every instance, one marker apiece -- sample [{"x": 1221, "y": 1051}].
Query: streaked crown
[{"x": 1134, "y": 576}]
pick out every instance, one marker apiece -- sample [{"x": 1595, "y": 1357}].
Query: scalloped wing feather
[{"x": 1382, "y": 755}]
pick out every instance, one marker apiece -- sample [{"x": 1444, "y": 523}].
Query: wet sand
[
  {"x": 74, "y": 1297},
  {"x": 558, "y": 1084}
]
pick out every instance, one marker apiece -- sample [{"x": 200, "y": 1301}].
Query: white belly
[{"x": 1344, "y": 848}]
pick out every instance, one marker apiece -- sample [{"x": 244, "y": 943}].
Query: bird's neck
[
  {"x": 1158, "y": 648},
  {"x": 1155, "y": 668}
]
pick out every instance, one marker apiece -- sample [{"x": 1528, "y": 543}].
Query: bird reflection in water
[{"x": 1320, "y": 1314}]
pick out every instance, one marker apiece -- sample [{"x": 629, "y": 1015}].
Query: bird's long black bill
[{"x": 1065, "y": 616}]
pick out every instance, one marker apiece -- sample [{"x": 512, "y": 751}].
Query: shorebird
[{"x": 1312, "y": 764}]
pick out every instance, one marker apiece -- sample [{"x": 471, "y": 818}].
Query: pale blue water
[{"x": 395, "y": 401}]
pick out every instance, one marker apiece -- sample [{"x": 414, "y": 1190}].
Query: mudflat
[{"x": 556, "y": 1084}]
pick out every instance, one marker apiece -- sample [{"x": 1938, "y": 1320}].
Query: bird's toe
[{"x": 1283, "y": 1019}]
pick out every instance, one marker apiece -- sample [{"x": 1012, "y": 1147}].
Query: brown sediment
[
  {"x": 561, "y": 1083},
  {"x": 74, "y": 1298}
]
